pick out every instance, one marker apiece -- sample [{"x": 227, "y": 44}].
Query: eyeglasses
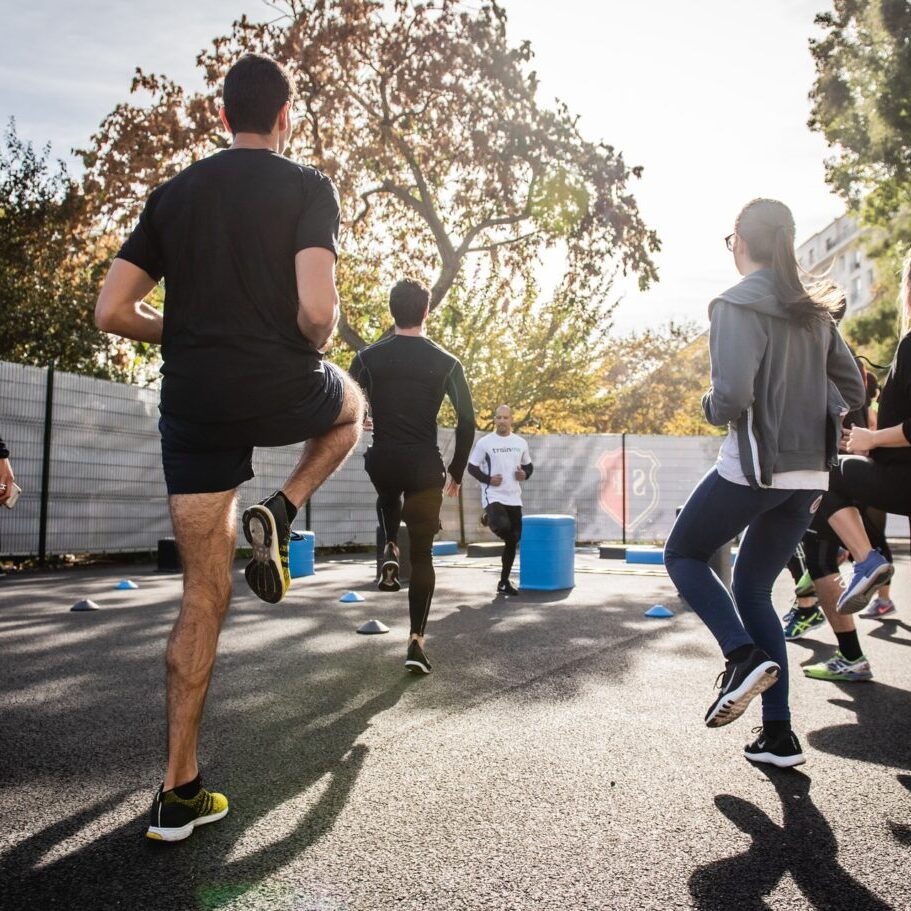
[{"x": 729, "y": 241}]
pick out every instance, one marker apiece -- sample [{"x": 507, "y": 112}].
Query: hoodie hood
[{"x": 755, "y": 292}]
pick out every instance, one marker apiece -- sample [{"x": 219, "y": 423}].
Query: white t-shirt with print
[{"x": 504, "y": 456}]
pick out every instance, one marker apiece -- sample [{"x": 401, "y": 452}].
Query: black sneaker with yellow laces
[{"x": 267, "y": 527}]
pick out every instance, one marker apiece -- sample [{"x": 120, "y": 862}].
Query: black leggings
[
  {"x": 820, "y": 545},
  {"x": 506, "y": 523},
  {"x": 409, "y": 485},
  {"x": 858, "y": 481}
]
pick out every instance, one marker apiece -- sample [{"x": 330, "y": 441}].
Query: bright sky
[{"x": 710, "y": 97}]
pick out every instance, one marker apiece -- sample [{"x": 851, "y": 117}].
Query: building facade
[{"x": 837, "y": 253}]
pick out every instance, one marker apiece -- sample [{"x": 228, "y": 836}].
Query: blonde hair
[{"x": 766, "y": 226}]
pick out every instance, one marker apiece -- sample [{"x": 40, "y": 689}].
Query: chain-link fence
[{"x": 86, "y": 454}]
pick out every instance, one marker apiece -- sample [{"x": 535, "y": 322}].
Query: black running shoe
[
  {"x": 389, "y": 571},
  {"x": 740, "y": 683},
  {"x": 507, "y": 588},
  {"x": 173, "y": 818},
  {"x": 268, "y": 530},
  {"x": 415, "y": 660},
  {"x": 783, "y": 752}
]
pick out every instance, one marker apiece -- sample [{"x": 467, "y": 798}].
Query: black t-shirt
[
  {"x": 405, "y": 378},
  {"x": 223, "y": 234},
  {"x": 895, "y": 405}
]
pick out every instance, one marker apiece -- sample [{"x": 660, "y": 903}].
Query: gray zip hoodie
[{"x": 782, "y": 387}]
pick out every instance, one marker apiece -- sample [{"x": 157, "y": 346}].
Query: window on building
[
  {"x": 855, "y": 259},
  {"x": 811, "y": 256},
  {"x": 855, "y": 290},
  {"x": 869, "y": 278},
  {"x": 830, "y": 242}
]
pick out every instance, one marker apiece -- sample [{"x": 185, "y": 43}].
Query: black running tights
[
  {"x": 409, "y": 487},
  {"x": 506, "y": 523},
  {"x": 421, "y": 513}
]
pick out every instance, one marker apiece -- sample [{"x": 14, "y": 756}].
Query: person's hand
[
  {"x": 520, "y": 475},
  {"x": 451, "y": 489},
  {"x": 860, "y": 441},
  {"x": 6, "y": 480},
  {"x": 496, "y": 480}
]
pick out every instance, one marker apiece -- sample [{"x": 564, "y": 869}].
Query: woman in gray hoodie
[{"x": 781, "y": 379}]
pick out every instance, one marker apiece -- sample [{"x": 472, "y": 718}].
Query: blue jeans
[{"x": 775, "y": 521}]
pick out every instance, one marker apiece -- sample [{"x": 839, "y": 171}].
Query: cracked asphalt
[{"x": 555, "y": 759}]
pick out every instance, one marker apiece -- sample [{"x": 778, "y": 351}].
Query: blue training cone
[
  {"x": 126, "y": 585},
  {"x": 659, "y": 610},
  {"x": 351, "y": 598}
]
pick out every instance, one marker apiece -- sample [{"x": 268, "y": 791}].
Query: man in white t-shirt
[{"x": 501, "y": 461}]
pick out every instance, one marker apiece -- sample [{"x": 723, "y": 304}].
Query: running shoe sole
[
  {"x": 783, "y": 762},
  {"x": 389, "y": 577},
  {"x": 839, "y": 678},
  {"x": 735, "y": 703},
  {"x": 179, "y": 834},
  {"x": 264, "y": 572},
  {"x": 416, "y": 667},
  {"x": 857, "y": 596}
]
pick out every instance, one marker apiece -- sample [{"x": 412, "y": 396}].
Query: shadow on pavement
[
  {"x": 804, "y": 846},
  {"x": 871, "y": 738},
  {"x": 286, "y": 712},
  {"x": 887, "y": 630},
  {"x": 902, "y": 831}
]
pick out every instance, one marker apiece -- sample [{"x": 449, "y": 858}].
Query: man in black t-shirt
[
  {"x": 246, "y": 242},
  {"x": 406, "y": 376}
]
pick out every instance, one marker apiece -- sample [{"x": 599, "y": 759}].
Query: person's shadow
[
  {"x": 902, "y": 831},
  {"x": 285, "y": 736},
  {"x": 888, "y": 629},
  {"x": 872, "y": 737},
  {"x": 328, "y": 760},
  {"x": 803, "y": 846}
]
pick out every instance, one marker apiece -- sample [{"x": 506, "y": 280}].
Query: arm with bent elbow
[
  {"x": 121, "y": 309},
  {"x": 736, "y": 347},
  {"x": 318, "y": 302}
]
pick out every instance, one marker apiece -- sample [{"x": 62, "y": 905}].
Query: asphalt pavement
[{"x": 555, "y": 759}]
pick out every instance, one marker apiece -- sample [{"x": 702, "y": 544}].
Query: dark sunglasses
[{"x": 729, "y": 241}]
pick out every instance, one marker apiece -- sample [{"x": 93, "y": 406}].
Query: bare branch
[
  {"x": 348, "y": 335},
  {"x": 502, "y": 243}
]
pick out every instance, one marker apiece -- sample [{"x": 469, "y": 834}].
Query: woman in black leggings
[{"x": 879, "y": 472}]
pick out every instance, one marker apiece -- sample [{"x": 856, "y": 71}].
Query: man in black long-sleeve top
[{"x": 406, "y": 377}]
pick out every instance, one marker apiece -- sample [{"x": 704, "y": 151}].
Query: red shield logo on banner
[{"x": 633, "y": 490}]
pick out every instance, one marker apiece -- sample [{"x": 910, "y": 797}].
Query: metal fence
[{"x": 86, "y": 454}]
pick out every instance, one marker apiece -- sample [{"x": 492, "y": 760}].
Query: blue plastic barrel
[
  {"x": 300, "y": 553},
  {"x": 548, "y": 550}
]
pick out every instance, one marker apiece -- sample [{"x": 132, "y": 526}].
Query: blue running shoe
[{"x": 869, "y": 574}]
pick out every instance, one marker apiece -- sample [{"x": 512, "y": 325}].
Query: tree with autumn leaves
[
  {"x": 861, "y": 104},
  {"x": 448, "y": 166}
]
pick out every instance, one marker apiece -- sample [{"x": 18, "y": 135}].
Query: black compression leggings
[
  {"x": 506, "y": 523},
  {"x": 409, "y": 486},
  {"x": 421, "y": 514}
]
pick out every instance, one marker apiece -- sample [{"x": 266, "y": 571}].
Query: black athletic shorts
[{"x": 203, "y": 457}]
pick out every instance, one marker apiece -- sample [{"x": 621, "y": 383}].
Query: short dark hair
[
  {"x": 255, "y": 90},
  {"x": 408, "y": 302}
]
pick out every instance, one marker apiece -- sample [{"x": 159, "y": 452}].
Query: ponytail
[{"x": 767, "y": 228}]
